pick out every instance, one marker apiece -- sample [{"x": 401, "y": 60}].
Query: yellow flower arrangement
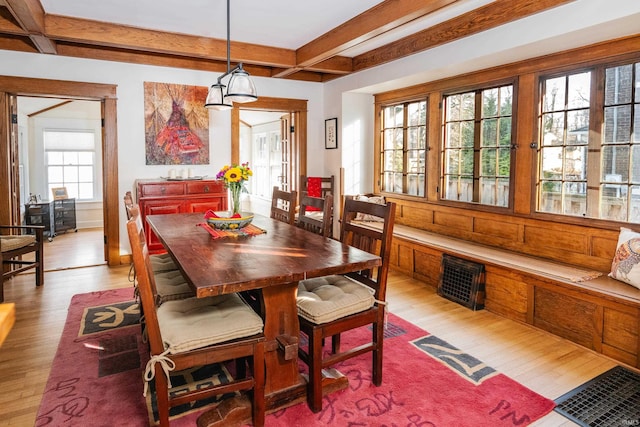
[{"x": 234, "y": 178}]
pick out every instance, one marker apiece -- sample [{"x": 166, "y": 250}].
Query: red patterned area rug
[{"x": 96, "y": 379}]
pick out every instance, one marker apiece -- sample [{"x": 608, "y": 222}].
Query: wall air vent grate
[{"x": 462, "y": 281}]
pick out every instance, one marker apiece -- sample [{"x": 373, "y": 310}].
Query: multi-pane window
[
  {"x": 477, "y": 146},
  {"x": 70, "y": 162},
  {"x": 564, "y": 143},
  {"x": 404, "y": 147},
  {"x": 620, "y": 175},
  {"x": 591, "y": 174}
]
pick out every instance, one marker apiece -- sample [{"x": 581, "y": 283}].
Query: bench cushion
[
  {"x": 324, "y": 299},
  {"x": 194, "y": 323}
]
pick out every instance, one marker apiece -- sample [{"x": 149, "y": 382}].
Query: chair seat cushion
[
  {"x": 199, "y": 322},
  {"x": 10, "y": 243},
  {"x": 162, "y": 262},
  {"x": 171, "y": 285},
  {"x": 324, "y": 299}
]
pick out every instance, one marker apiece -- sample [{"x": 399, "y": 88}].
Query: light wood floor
[{"x": 547, "y": 364}]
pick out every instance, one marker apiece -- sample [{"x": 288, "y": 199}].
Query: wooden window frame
[
  {"x": 596, "y": 144},
  {"x": 478, "y": 120},
  {"x": 405, "y": 149}
]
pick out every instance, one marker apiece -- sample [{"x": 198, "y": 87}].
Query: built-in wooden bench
[{"x": 582, "y": 305}]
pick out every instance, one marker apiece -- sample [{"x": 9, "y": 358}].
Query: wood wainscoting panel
[
  {"x": 493, "y": 228},
  {"x": 604, "y": 246},
  {"x": 506, "y": 293},
  {"x": 545, "y": 238},
  {"x": 415, "y": 216},
  {"x": 401, "y": 256},
  {"x": 566, "y": 317},
  {"x": 427, "y": 264},
  {"x": 460, "y": 222},
  {"x": 620, "y": 335}
]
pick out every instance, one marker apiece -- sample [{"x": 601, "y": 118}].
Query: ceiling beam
[
  {"x": 385, "y": 16},
  {"x": 481, "y": 19},
  {"x": 25, "y": 27},
  {"x": 30, "y": 16},
  {"x": 17, "y": 44},
  {"x": 8, "y": 25},
  {"x": 132, "y": 38}
]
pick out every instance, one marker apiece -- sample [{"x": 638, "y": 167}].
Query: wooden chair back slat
[
  {"x": 319, "y": 226},
  {"x": 326, "y": 185},
  {"x": 374, "y": 237},
  {"x": 283, "y": 205},
  {"x": 128, "y": 203}
]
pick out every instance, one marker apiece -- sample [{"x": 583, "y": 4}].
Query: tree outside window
[
  {"x": 477, "y": 146},
  {"x": 404, "y": 147},
  {"x": 591, "y": 174}
]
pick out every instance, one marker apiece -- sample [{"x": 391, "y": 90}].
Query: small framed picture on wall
[{"x": 331, "y": 133}]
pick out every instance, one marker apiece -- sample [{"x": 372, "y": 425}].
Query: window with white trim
[{"x": 70, "y": 162}]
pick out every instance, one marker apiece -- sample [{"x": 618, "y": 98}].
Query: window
[
  {"x": 404, "y": 147},
  {"x": 70, "y": 162},
  {"x": 477, "y": 146},
  {"x": 564, "y": 143},
  {"x": 595, "y": 176},
  {"x": 620, "y": 176}
]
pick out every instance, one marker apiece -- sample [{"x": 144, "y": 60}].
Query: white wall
[
  {"x": 357, "y": 143},
  {"x": 129, "y": 79}
]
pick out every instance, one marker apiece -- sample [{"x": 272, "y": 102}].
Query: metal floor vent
[
  {"x": 611, "y": 399},
  {"x": 462, "y": 281}
]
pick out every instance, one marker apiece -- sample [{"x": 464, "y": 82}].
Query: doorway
[
  {"x": 60, "y": 146},
  {"x": 13, "y": 87},
  {"x": 270, "y": 133}
]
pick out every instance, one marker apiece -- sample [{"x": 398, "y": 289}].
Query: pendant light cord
[{"x": 228, "y": 36}]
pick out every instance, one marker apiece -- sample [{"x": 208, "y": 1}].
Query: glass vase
[{"x": 235, "y": 200}]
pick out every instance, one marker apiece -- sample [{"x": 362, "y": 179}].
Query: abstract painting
[{"x": 176, "y": 124}]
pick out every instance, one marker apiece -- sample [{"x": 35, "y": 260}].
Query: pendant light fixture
[{"x": 241, "y": 88}]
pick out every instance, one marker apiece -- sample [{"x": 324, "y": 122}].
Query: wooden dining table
[{"x": 272, "y": 262}]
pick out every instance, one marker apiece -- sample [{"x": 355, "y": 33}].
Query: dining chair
[
  {"x": 195, "y": 332},
  {"x": 159, "y": 262},
  {"x": 170, "y": 283},
  {"x": 317, "y": 186},
  {"x": 283, "y": 205},
  {"x": 14, "y": 246},
  {"x": 128, "y": 203},
  {"x": 331, "y": 305},
  {"x": 320, "y": 220}
]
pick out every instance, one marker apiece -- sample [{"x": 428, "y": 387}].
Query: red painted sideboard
[{"x": 166, "y": 197}]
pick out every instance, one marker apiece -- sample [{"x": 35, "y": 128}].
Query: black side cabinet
[
  {"x": 64, "y": 213},
  {"x": 56, "y": 216},
  {"x": 41, "y": 214}
]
